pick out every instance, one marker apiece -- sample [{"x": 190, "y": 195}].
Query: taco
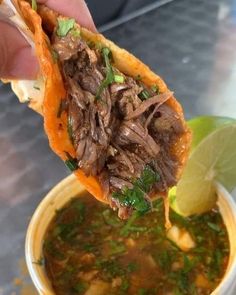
[{"x": 113, "y": 121}]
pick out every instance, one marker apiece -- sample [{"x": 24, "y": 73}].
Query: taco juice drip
[{"x": 113, "y": 121}]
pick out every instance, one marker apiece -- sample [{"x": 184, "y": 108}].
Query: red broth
[{"x": 88, "y": 250}]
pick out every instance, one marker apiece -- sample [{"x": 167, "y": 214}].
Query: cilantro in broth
[{"x": 131, "y": 257}]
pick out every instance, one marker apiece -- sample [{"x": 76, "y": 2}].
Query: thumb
[
  {"x": 17, "y": 58},
  {"x": 74, "y": 8}
]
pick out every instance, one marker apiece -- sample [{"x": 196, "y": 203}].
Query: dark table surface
[{"x": 190, "y": 43}]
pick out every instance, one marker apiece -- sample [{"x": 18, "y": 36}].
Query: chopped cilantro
[
  {"x": 112, "y": 268},
  {"x": 181, "y": 279},
  {"x": 214, "y": 226},
  {"x": 54, "y": 55},
  {"x": 144, "y": 94},
  {"x": 164, "y": 260},
  {"x": 111, "y": 219},
  {"x": 69, "y": 128},
  {"x": 116, "y": 247},
  {"x": 39, "y": 262},
  {"x": 177, "y": 292},
  {"x": 71, "y": 163},
  {"x": 142, "y": 291},
  {"x": 80, "y": 287},
  {"x": 126, "y": 229},
  {"x": 155, "y": 89},
  {"x": 34, "y": 5},
  {"x": 132, "y": 266},
  {"x": 188, "y": 263},
  {"x": 106, "y": 53},
  {"x": 147, "y": 179},
  {"x": 64, "y": 26},
  {"x": 75, "y": 32},
  {"x": 88, "y": 247},
  {"x": 125, "y": 285},
  {"x": 215, "y": 265},
  {"x": 135, "y": 197},
  {"x": 119, "y": 79}
]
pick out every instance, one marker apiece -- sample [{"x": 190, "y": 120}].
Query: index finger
[{"x": 76, "y": 9}]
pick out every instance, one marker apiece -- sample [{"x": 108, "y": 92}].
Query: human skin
[{"x": 18, "y": 60}]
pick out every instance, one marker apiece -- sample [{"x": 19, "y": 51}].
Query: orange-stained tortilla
[{"x": 56, "y": 128}]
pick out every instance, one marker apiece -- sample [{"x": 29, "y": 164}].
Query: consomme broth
[{"x": 88, "y": 250}]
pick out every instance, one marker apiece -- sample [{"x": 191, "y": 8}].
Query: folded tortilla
[{"x": 53, "y": 92}]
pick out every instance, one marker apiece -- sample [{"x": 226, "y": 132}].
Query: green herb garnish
[
  {"x": 39, "y": 262},
  {"x": 144, "y": 94},
  {"x": 125, "y": 285},
  {"x": 214, "y": 226},
  {"x": 36, "y": 87},
  {"x": 215, "y": 265},
  {"x": 116, "y": 248},
  {"x": 155, "y": 89},
  {"x": 34, "y": 5},
  {"x": 110, "y": 76},
  {"x": 147, "y": 179},
  {"x": 126, "y": 229},
  {"x": 80, "y": 287},
  {"x": 71, "y": 163},
  {"x": 119, "y": 79},
  {"x": 64, "y": 26},
  {"x": 88, "y": 247},
  {"x": 54, "y": 55},
  {"x": 188, "y": 263},
  {"x": 111, "y": 219},
  {"x": 135, "y": 197},
  {"x": 70, "y": 129},
  {"x": 106, "y": 53},
  {"x": 112, "y": 268},
  {"x": 75, "y": 33},
  {"x": 142, "y": 291},
  {"x": 164, "y": 260},
  {"x": 132, "y": 266}
]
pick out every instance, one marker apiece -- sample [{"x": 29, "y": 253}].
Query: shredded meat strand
[{"x": 157, "y": 99}]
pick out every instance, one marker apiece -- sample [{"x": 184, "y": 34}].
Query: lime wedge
[
  {"x": 213, "y": 160},
  {"x": 202, "y": 126}
]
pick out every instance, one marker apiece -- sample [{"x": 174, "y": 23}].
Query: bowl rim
[{"x": 228, "y": 279}]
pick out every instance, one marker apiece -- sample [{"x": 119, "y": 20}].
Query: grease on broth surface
[{"x": 88, "y": 250}]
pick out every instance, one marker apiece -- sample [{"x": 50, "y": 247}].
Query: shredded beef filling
[{"x": 118, "y": 133}]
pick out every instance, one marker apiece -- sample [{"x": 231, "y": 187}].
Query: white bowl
[{"x": 69, "y": 188}]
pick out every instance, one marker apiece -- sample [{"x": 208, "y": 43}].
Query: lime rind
[
  {"x": 202, "y": 126},
  {"x": 214, "y": 159}
]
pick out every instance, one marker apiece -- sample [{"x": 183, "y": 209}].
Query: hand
[{"x": 17, "y": 57}]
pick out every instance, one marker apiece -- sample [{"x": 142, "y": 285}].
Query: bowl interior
[{"x": 69, "y": 188}]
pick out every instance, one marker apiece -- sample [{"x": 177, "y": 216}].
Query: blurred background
[
  {"x": 108, "y": 11},
  {"x": 190, "y": 43}
]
